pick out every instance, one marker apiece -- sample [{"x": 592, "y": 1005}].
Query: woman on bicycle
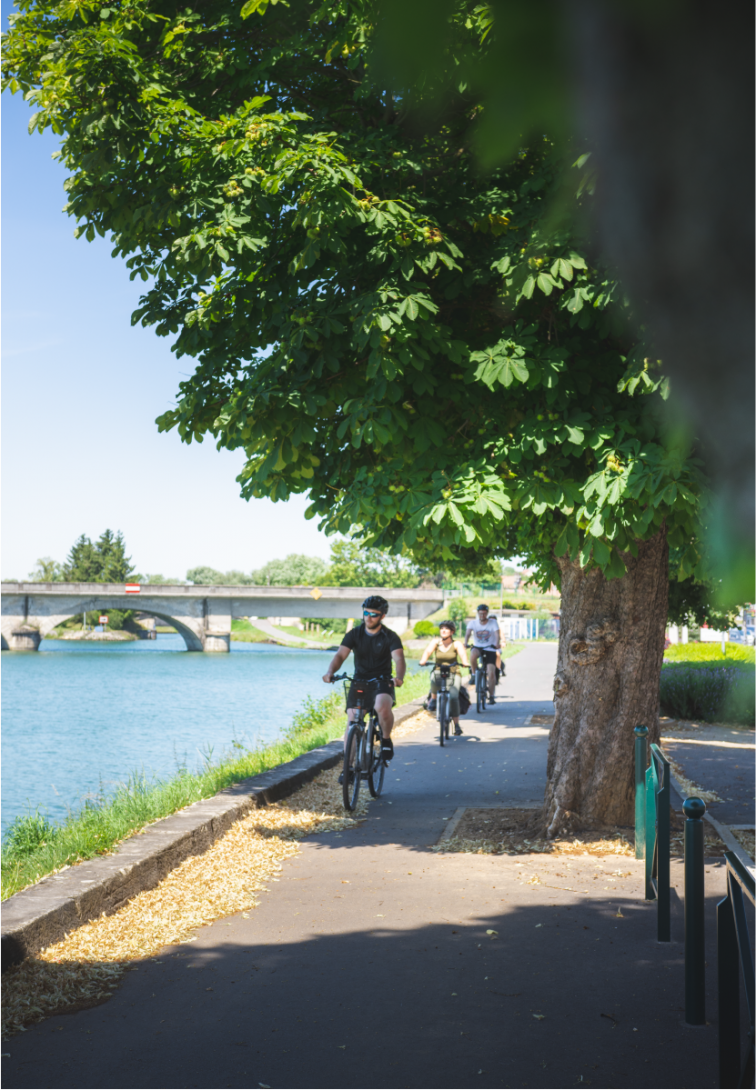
[{"x": 448, "y": 652}]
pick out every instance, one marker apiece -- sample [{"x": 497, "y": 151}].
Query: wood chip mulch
[
  {"x": 84, "y": 968},
  {"x": 494, "y": 831}
]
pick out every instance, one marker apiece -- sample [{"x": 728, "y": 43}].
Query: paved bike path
[{"x": 375, "y": 962}]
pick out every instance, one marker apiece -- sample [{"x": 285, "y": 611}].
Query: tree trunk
[{"x": 611, "y": 645}]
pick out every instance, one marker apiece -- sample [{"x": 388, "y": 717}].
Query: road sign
[
  {"x": 103, "y": 620},
  {"x": 315, "y": 593},
  {"x": 132, "y": 588}
]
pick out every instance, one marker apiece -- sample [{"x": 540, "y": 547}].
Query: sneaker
[
  {"x": 431, "y": 704},
  {"x": 387, "y": 749},
  {"x": 458, "y": 730},
  {"x": 492, "y": 700}
]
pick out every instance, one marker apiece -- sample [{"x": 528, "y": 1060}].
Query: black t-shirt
[{"x": 372, "y": 654}]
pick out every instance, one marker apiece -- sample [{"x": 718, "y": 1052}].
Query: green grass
[
  {"x": 244, "y": 632},
  {"x": 710, "y": 652},
  {"x": 34, "y": 847}
]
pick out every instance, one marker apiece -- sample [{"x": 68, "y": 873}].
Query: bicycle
[
  {"x": 481, "y": 684},
  {"x": 362, "y": 753},
  {"x": 442, "y": 700}
]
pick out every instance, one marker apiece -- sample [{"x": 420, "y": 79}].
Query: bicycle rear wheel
[
  {"x": 352, "y": 775},
  {"x": 443, "y": 717},
  {"x": 377, "y": 763}
]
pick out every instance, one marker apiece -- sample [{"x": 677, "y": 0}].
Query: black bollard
[
  {"x": 695, "y": 950},
  {"x": 641, "y": 760}
]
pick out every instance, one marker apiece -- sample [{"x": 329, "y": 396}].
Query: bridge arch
[{"x": 192, "y": 639}]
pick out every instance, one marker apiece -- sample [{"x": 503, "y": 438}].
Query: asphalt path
[
  {"x": 376, "y": 962},
  {"x": 719, "y": 759}
]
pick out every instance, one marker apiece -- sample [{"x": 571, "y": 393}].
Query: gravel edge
[{"x": 53, "y": 907}]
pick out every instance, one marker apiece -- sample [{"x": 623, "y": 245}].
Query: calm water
[{"x": 81, "y": 716}]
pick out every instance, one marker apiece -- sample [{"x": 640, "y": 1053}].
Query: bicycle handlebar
[{"x": 366, "y": 680}]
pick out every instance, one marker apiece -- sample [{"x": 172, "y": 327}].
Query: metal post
[
  {"x": 728, "y": 986},
  {"x": 695, "y": 950},
  {"x": 641, "y": 760}
]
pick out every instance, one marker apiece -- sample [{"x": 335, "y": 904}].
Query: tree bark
[{"x": 611, "y": 645}]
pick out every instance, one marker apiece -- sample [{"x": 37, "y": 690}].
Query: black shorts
[
  {"x": 487, "y": 654},
  {"x": 370, "y": 693}
]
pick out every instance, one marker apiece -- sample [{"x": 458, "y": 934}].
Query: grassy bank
[
  {"x": 34, "y": 847},
  {"x": 709, "y": 653}
]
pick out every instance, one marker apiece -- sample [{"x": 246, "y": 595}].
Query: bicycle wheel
[
  {"x": 377, "y": 763},
  {"x": 443, "y": 717},
  {"x": 352, "y": 776},
  {"x": 480, "y": 691}
]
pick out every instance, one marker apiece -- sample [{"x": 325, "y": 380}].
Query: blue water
[{"x": 78, "y": 718}]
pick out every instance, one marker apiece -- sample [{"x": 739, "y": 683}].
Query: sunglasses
[{"x": 367, "y": 613}]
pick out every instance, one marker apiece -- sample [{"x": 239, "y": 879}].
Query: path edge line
[{"x": 42, "y": 914}]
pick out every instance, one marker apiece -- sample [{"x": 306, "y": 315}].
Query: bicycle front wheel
[
  {"x": 443, "y": 717},
  {"x": 480, "y": 691},
  {"x": 352, "y": 774},
  {"x": 377, "y": 763}
]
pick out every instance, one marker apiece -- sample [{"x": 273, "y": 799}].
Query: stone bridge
[{"x": 202, "y": 615}]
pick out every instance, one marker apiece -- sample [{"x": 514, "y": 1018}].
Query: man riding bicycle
[
  {"x": 486, "y": 642},
  {"x": 374, "y": 647}
]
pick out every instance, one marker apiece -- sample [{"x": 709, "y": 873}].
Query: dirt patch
[
  {"x": 84, "y": 969},
  {"x": 493, "y": 831},
  {"x": 542, "y": 720},
  {"x": 745, "y": 837},
  {"x": 713, "y": 846}
]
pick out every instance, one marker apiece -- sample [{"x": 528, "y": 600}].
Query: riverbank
[{"x": 35, "y": 847}]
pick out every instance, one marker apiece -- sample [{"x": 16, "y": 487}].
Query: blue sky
[{"x": 81, "y": 389}]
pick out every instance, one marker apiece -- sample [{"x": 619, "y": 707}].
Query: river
[{"x": 80, "y": 717}]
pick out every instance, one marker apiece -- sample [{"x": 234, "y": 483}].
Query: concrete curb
[{"x": 47, "y": 911}]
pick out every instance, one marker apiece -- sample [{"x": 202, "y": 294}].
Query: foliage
[
  {"x": 425, "y": 628},
  {"x": 47, "y": 571},
  {"x": 355, "y": 565},
  {"x": 296, "y": 569},
  {"x": 709, "y": 652},
  {"x": 457, "y": 610},
  {"x": 450, "y": 372},
  {"x": 103, "y": 561},
  {"x": 715, "y": 693},
  {"x": 693, "y": 601}
]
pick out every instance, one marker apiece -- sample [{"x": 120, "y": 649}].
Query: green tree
[
  {"x": 449, "y": 372},
  {"x": 296, "y": 569},
  {"x": 47, "y": 571},
  {"x": 205, "y": 577},
  {"x": 103, "y": 561},
  {"x": 357, "y": 565}
]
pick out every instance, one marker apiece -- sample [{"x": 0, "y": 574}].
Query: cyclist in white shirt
[{"x": 485, "y": 634}]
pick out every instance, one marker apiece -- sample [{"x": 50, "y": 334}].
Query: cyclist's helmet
[
  {"x": 482, "y": 606},
  {"x": 375, "y": 601},
  {"x": 448, "y": 624}
]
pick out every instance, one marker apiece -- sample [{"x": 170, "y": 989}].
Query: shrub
[
  {"x": 711, "y": 692},
  {"x": 456, "y": 610},
  {"x": 425, "y": 628},
  {"x": 709, "y": 652}
]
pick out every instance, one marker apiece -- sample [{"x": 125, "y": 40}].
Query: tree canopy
[
  {"x": 102, "y": 561},
  {"x": 432, "y": 353}
]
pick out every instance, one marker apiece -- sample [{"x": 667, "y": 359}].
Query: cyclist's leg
[
  {"x": 384, "y": 708},
  {"x": 491, "y": 675},
  {"x": 454, "y": 683},
  {"x": 473, "y": 663}
]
